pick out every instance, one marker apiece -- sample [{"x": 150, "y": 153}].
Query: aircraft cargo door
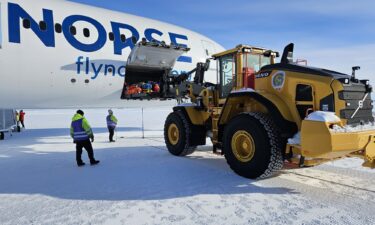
[{"x": 209, "y": 50}]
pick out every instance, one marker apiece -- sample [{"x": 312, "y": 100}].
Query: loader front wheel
[
  {"x": 252, "y": 146},
  {"x": 177, "y": 131}
]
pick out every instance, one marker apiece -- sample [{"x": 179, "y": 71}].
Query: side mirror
[{"x": 267, "y": 53}]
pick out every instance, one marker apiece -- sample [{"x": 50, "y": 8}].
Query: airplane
[{"x": 61, "y": 54}]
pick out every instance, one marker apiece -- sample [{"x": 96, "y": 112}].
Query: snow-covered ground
[{"x": 139, "y": 182}]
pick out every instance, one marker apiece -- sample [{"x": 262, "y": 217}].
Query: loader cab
[{"x": 238, "y": 67}]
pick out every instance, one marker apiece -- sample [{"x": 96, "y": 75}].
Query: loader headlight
[
  {"x": 344, "y": 80},
  {"x": 365, "y": 82}
]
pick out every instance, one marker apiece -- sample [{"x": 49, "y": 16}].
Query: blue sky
[
  {"x": 335, "y": 34},
  {"x": 271, "y": 23}
]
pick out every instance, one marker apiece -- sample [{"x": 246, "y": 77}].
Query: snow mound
[
  {"x": 296, "y": 140},
  {"x": 323, "y": 117},
  {"x": 349, "y": 129}
]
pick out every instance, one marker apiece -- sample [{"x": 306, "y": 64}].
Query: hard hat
[{"x": 110, "y": 111}]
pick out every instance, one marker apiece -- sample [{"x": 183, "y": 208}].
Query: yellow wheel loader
[{"x": 262, "y": 114}]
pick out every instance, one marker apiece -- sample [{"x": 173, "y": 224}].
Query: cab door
[{"x": 227, "y": 73}]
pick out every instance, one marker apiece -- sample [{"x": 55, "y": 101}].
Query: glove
[{"x": 92, "y": 138}]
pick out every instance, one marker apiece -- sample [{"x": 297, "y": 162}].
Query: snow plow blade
[{"x": 320, "y": 142}]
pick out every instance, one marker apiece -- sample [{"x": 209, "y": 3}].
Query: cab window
[
  {"x": 255, "y": 62},
  {"x": 227, "y": 74},
  {"x": 264, "y": 61},
  {"x": 252, "y": 61}
]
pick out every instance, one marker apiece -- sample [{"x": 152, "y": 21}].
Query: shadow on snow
[{"x": 125, "y": 173}]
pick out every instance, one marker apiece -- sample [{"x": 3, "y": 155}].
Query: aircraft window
[
  {"x": 123, "y": 37},
  {"x": 87, "y": 81},
  {"x": 73, "y": 30},
  {"x": 58, "y": 28},
  {"x": 111, "y": 36},
  {"x": 86, "y": 32},
  {"x": 26, "y": 23},
  {"x": 43, "y": 25},
  {"x": 73, "y": 80}
]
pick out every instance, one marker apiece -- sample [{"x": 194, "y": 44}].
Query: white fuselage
[{"x": 41, "y": 67}]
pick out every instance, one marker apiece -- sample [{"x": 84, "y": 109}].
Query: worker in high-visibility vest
[
  {"x": 17, "y": 118},
  {"x": 111, "y": 124},
  {"x": 81, "y": 132}
]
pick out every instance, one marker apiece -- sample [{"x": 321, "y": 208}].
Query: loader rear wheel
[
  {"x": 252, "y": 146},
  {"x": 177, "y": 131}
]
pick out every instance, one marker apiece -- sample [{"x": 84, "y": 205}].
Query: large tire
[
  {"x": 177, "y": 132},
  {"x": 2, "y": 136},
  {"x": 252, "y": 146}
]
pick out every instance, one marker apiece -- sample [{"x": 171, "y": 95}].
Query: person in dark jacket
[
  {"x": 111, "y": 124},
  {"x": 81, "y": 132}
]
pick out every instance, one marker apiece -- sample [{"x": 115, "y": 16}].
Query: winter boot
[
  {"x": 95, "y": 162},
  {"x": 80, "y": 164}
]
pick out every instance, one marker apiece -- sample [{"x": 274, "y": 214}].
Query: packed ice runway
[{"x": 139, "y": 182}]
